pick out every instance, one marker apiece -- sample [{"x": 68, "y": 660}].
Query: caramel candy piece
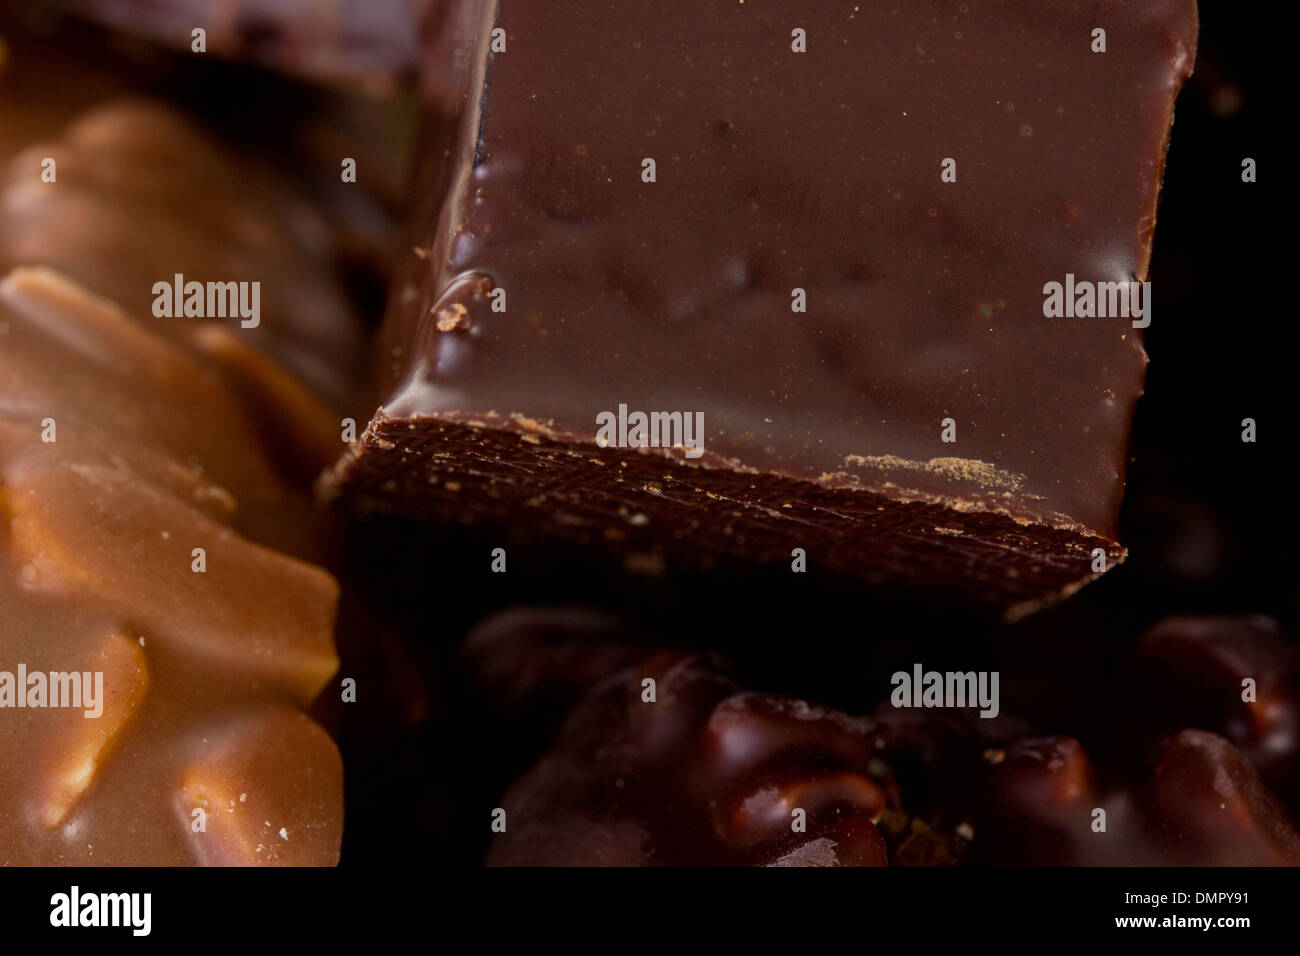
[{"x": 692, "y": 269}]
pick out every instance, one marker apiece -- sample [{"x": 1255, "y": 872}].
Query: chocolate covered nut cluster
[
  {"x": 372, "y": 43},
  {"x": 670, "y": 762},
  {"x": 166, "y": 622},
  {"x": 712, "y": 776},
  {"x": 146, "y": 570}
]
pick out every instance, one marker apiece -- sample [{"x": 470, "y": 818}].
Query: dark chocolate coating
[
  {"x": 704, "y": 775},
  {"x": 778, "y": 171},
  {"x": 709, "y": 773},
  {"x": 1207, "y": 806},
  {"x": 206, "y": 676},
  {"x": 1191, "y": 671}
]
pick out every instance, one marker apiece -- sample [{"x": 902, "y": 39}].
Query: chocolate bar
[
  {"x": 159, "y": 647},
  {"x": 1238, "y": 676},
  {"x": 738, "y": 283}
]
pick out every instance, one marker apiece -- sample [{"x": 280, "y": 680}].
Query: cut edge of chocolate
[{"x": 643, "y": 501}]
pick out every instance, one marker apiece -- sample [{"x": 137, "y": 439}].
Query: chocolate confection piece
[
  {"x": 141, "y": 197},
  {"x": 1237, "y": 676},
  {"x": 524, "y": 668},
  {"x": 533, "y": 661},
  {"x": 139, "y": 521},
  {"x": 703, "y": 775},
  {"x": 280, "y": 143},
  {"x": 1207, "y": 806},
  {"x": 1035, "y": 802},
  {"x": 631, "y": 210},
  {"x": 374, "y": 44}
]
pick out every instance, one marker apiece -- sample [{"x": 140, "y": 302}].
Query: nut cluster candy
[
  {"x": 167, "y": 625},
  {"x": 708, "y": 776},
  {"x": 144, "y": 196},
  {"x": 670, "y": 762},
  {"x": 139, "y": 522}
]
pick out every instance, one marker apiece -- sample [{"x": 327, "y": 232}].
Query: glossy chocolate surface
[
  {"x": 144, "y": 194},
  {"x": 778, "y": 171},
  {"x": 206, "y": 671},
  {"x": 711, "y": 773},
  {"x": 127, "y": 441}
]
